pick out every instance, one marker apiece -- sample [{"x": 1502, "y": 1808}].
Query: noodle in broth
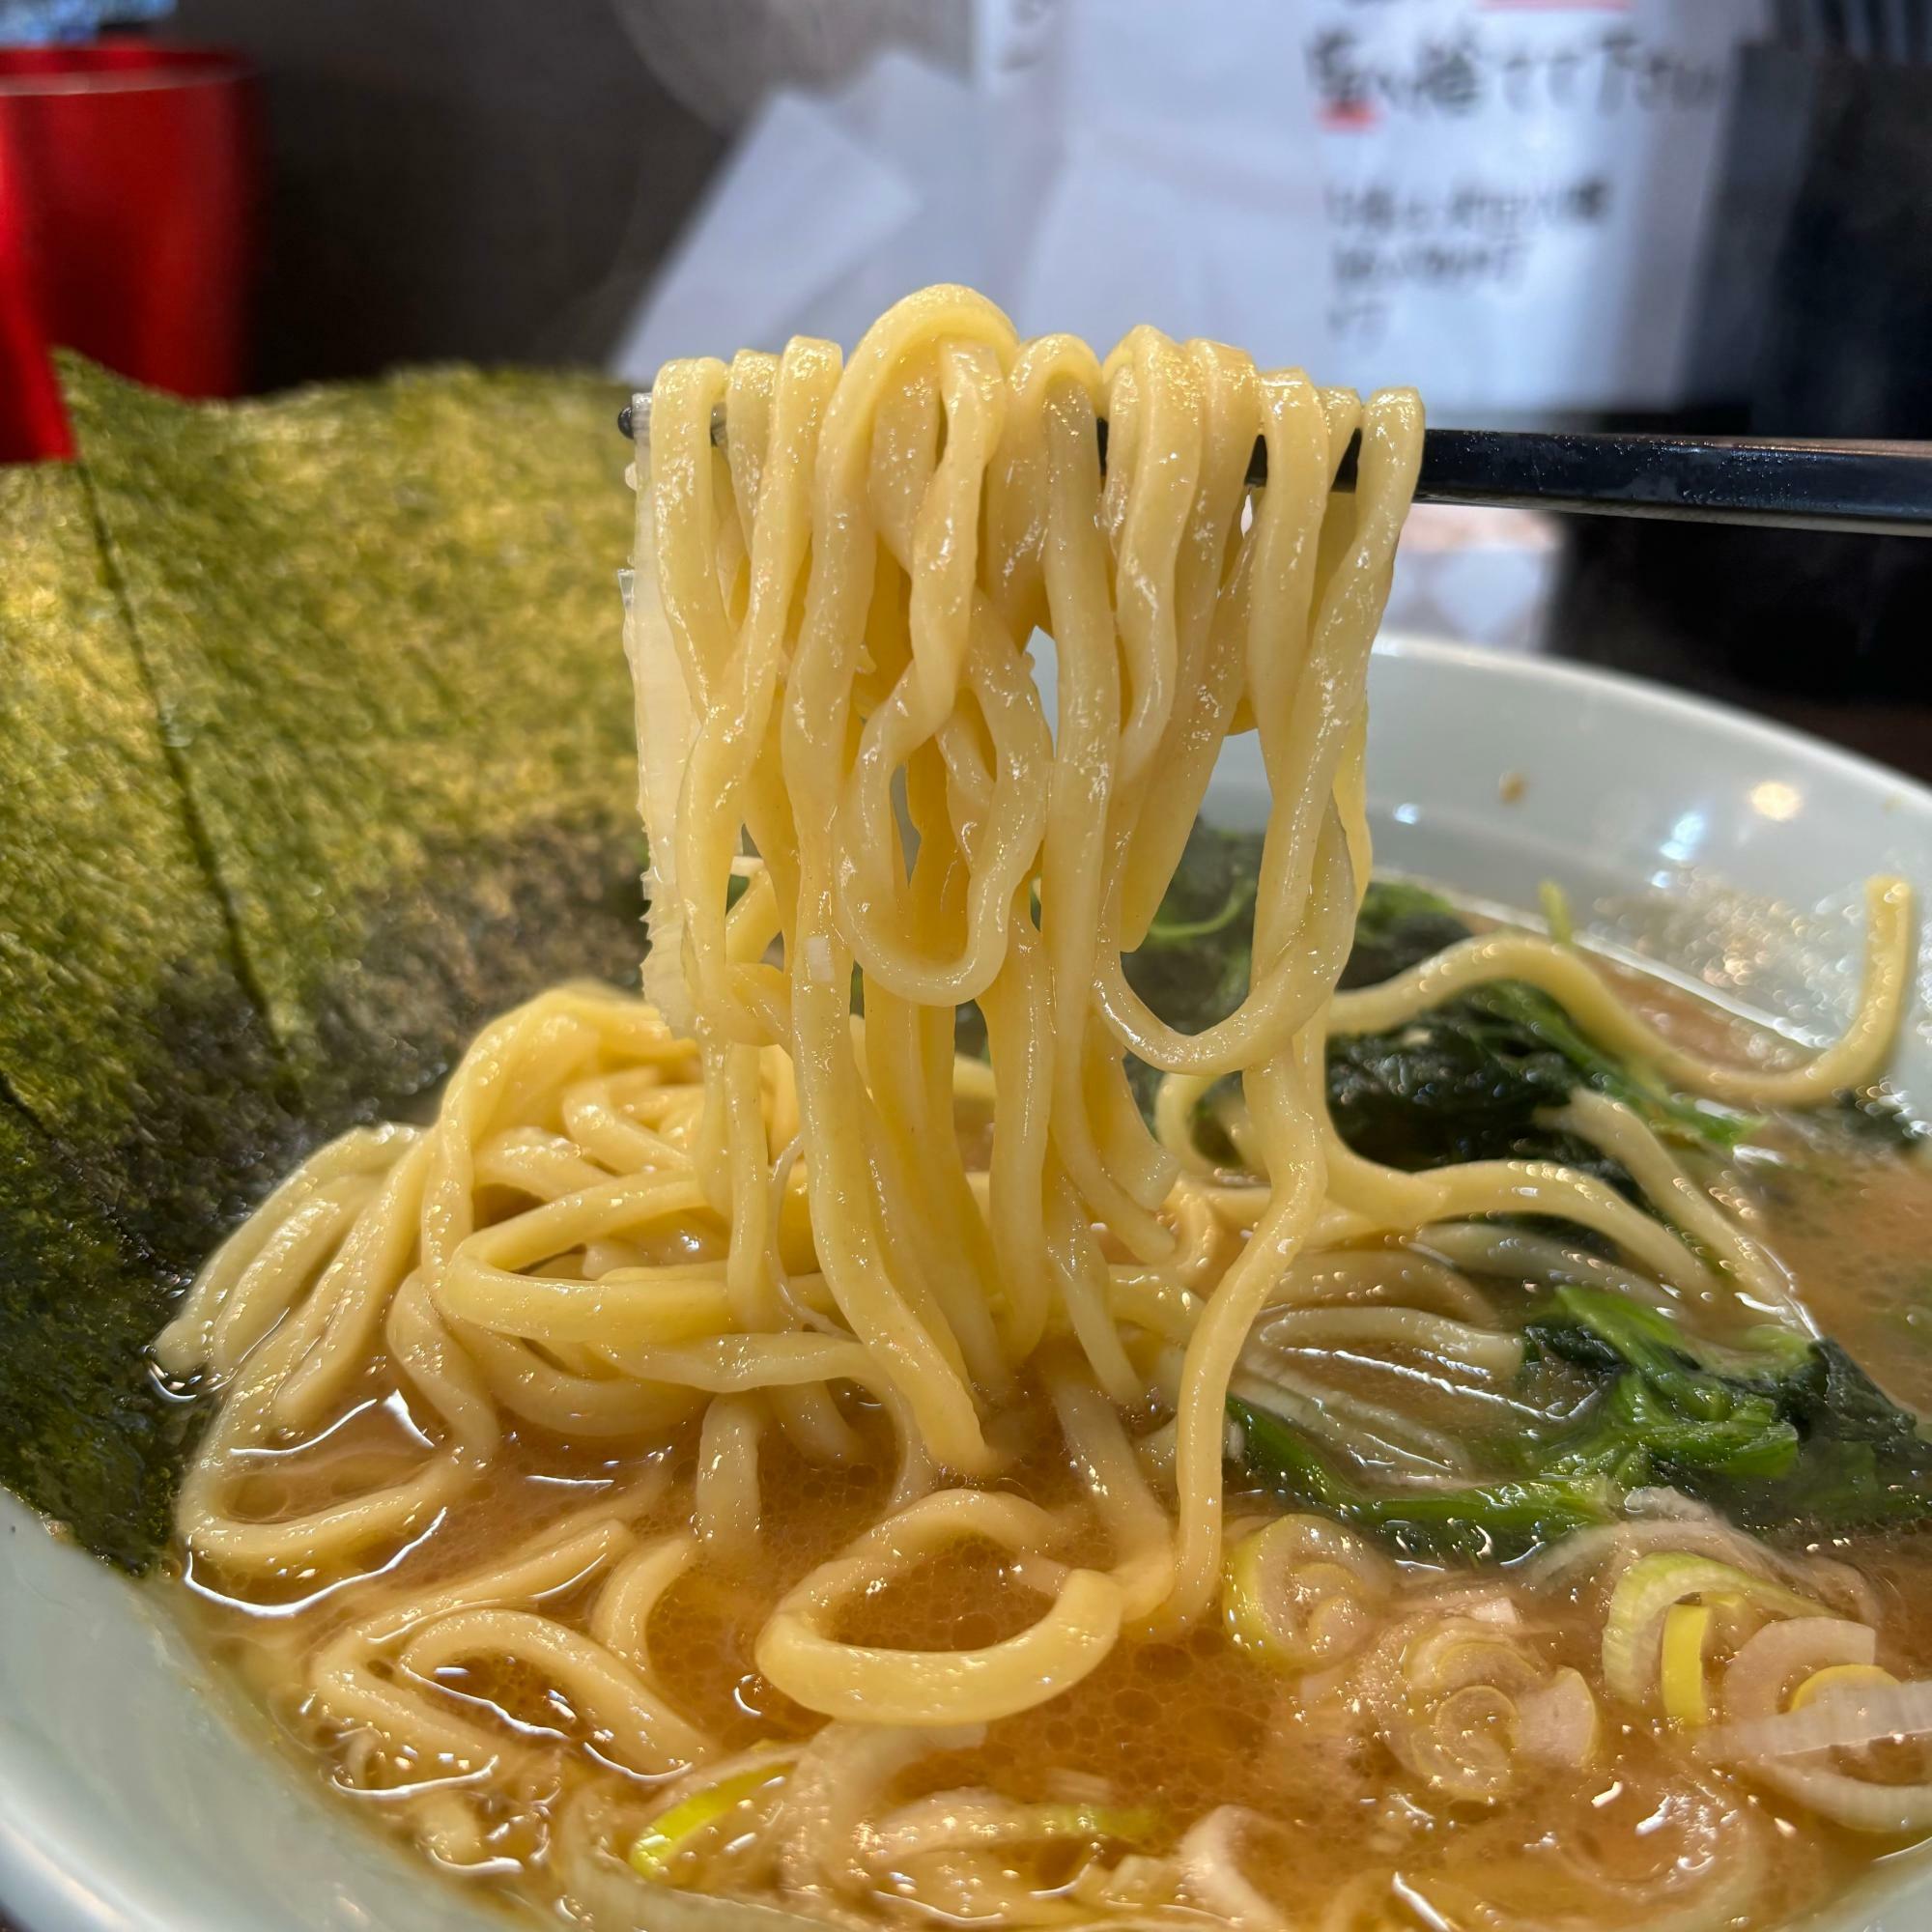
[{"x": 745, "y": 1445}]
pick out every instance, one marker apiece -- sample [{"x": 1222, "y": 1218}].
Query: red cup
[{"x": 129, "y": 193}]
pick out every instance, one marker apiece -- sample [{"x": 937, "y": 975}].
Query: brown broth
[{"x": 1176, "y": 1728}]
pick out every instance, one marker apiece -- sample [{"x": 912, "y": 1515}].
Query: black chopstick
[{"x": 1875, "y": 487}]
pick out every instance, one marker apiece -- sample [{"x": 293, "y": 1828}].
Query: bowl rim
[{"x": 1689, "y": 707}]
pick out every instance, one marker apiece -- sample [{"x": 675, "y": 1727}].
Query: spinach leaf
[
  {"x": 1464, "y": 1082},
  {"x": 1400, "y": 926},
  {"x": 1787, "y": 1433},
  {"x": 1874, "y": 1119},
  {"x": 1492, "y": 1522},
  {"x": 1192, "y": 967}
]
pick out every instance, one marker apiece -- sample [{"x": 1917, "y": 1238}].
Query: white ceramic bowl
[{"x": 134, "y": 1795}]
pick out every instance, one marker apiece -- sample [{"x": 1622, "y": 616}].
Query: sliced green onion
[
  {"x": 1303, "y": 1591},
  {"x": 1555, "y": 904},
  {"x": 1686, "y": 1629},
  {"x": 1835, "y": 1677},
  {"x": 1650, "y": 1587},
  {"x": 1138, "y": 1825},
  {"x": 671, "y": 1832}
]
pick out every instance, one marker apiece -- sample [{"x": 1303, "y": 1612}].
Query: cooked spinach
[
  {"x": 1466, "y": 1081},
  {"x": 1783, "y": 1435},
  {"x": 1192, "y": 967},
  {"x": 1400, "y": 926},
  {"x": 1873, "y": 1120},
  {"x": 1489, "y": 1522}
]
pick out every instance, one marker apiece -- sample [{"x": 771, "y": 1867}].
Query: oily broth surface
[
  {"x": 1854, "y": 1228},
  {"x": 1174, "y": 1728}
]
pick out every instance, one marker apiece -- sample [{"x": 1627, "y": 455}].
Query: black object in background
[
  {"x": 1816, "y": 320},
  {"x": 484, "y": 180}
]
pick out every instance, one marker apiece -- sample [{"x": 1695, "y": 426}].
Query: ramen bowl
[{"x": 136, "y": 1792}]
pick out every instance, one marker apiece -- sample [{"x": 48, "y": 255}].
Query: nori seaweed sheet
[
  {"x": 315, "y": 750},
  {"x": 86, "y": 1435},
  {"x": 381, "y": 626},
  {"x": 141, "y": 1097},
  {"x": 125, "y": 1029}
]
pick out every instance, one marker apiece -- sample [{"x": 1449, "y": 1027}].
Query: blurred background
[{"x": 1705, "y": 214}]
